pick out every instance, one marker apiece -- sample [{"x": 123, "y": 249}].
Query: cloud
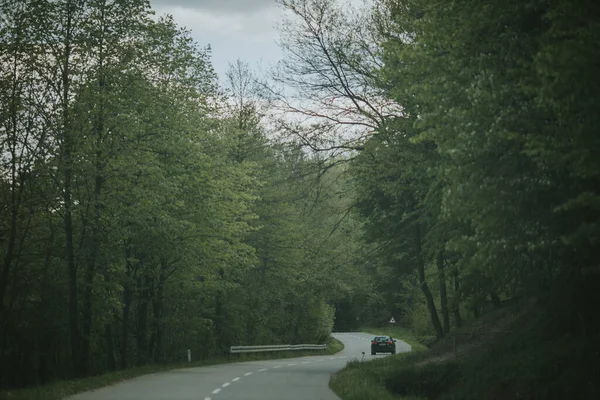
[
  {"x": 235, "y": 29},
  {"x": 243, "y": 29},
  {"x": 219, "y": 6},
  {"x": 224, "y": 24}
]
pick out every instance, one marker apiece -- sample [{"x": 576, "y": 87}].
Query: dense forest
[
  {"x": 144, "y": 211},
  {"x": 470, "y": 129},
  {"x": 426, "y": 159}
]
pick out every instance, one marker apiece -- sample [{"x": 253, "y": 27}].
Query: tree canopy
[{"x": 440, "y": 159}]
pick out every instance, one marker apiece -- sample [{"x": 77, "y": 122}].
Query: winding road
[{"x": 303, "y": 378}]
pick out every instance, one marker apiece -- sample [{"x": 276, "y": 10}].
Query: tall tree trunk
[
  {"x": 15, "y": 199},
  {"x": 126, "y": 312},
  {"x": 95, "y": 238},
  {"x": 90, "y": 272},
  {"x": 110, "y": 347},
  {"x": 74, "y": 334},
  {"x": 296, "y": 331},
  {"x": 87, "y": 309},
  {"x": 457, "y": 317},
  {"x": 157, "y": 305},
  {"x": 443, "y": 294},
  {"x": 44, "y": 333},
  {"x": 124, "y": 360},
  {"x": 218, "y": 321},
  {"x": 219, "y": 318},
  {"x": 152, "y": 342},
  {"x": 142, "y": 322},
  {"x": 435, "y": 319},
  {"x": 248, "y": 331},
  {"x": 495, "y": 300}
]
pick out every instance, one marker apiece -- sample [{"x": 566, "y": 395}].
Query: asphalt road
[{"x": 304, "y": 378}]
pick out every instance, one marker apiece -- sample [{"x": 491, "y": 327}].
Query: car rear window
[{"x": 381, "y": 339}]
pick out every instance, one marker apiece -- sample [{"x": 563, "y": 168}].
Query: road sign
[{"x": 392, "y": 321}]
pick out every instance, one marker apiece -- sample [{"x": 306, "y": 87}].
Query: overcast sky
[{"x": 244, "y": 29}]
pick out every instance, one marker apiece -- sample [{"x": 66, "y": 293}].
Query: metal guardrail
[{"x": 279, "y": 347}]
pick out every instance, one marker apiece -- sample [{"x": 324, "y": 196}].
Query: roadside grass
[
  {"x": 61, "y": 389},
  {"x": 529, "y": 365},
  {"x": 367, "y": 380},
  {"x": 334, "y": 346},
  {"x": 507, "y": 358},
  {"x": 398, "y": 332}
]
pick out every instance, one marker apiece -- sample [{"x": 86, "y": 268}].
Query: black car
[{"x": 383, "y": 344}]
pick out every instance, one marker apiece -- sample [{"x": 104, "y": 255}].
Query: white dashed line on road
[{"x": 216, "y": 391}]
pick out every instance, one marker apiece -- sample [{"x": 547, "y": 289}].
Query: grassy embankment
[
  {"x": 501, "y": 356},
  {"x": 62, "y": 389}
]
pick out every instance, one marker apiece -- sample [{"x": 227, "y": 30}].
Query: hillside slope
[{"x": 506, "y": 355}]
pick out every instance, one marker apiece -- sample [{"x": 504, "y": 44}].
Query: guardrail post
[{"x": 189, "y": 355}]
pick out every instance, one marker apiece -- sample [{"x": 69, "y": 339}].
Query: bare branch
[{"x": 330, "y": 74}]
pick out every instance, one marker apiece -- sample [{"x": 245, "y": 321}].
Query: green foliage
[
  {"x": 144, "y": 211},
  {"x": 485, "y": 81},
  {"x": 475, "y": 157}
]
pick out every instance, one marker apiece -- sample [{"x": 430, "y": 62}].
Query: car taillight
[
  {"x": 390, "y": 342},
  {"x": 373, "y": 342}
]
